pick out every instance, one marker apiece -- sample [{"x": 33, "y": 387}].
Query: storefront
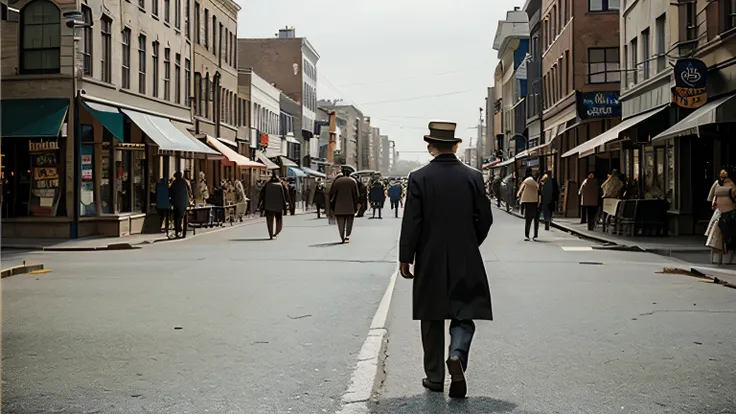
[
  {"x": 35, "y": 185},
  {"x": 124, "y": 153}
]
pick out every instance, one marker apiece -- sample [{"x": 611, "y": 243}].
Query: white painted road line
[
  {"x": 355, "y": 400},
  {"x": 577, "y": 248}
]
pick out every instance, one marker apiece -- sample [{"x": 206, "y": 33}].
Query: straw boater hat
[{"x": 442, "y": 131}]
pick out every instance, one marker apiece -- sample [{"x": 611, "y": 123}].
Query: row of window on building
[
  {"x": 309, "y": 96},
  {"x": 228, "y": 50}
]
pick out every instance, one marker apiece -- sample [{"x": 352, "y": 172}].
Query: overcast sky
[{"x": 383, "y": 55}]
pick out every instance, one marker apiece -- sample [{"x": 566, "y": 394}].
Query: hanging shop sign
[
  {"x": 263, "y": 140},
  {"x": 690, "y": 80},
  {"x": 599, "y": 105},
  {"x": 43, "y": 146}
]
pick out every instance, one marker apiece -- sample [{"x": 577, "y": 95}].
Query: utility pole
[
  {"x": 480, "y": 140},
  {"x": 333, "y": 138}
]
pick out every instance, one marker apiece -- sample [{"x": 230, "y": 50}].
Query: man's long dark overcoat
[{"x": 447, "y": 218}]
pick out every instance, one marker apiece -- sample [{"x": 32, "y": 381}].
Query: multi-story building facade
[
  {"x": 375, "y": 149},
  {"x": 290, "y": 64},
  {"x": 533, "y": 65},
  {"x": 678, "y": 103},
  {"x": 385, "y": 166},
  {"x": 290, "y": 124},
  {"x": 364, "y": 143},
  {"x": 350, "y": 122},
  {"x": 580, "y": 86},
  {"x": 94, "y": 118},
  {"x": 218, "y": 110},
  {"x": 512, "y": 43},
  {"x": 265, "y": 110}
]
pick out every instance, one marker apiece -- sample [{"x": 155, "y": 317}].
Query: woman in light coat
[{"x": 529, "y": 195}]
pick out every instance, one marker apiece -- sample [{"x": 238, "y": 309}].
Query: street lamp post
[{"x": 74, "y": 19}]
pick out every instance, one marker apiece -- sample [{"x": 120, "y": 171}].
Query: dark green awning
[
  {"x": 110, "y": 117},
  {"x": 32, "y": 117}
]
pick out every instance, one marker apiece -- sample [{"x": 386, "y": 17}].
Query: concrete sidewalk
[
  {"x": 111, "y": 243},
  {"x": 688, "y": 249},
  {"x": 664, "y": 246}
]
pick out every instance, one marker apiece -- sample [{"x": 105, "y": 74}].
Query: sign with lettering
[
  {"x": 42, "y": 146},
  {"x": 264, "y": 140},
  {"x": 599, "y": 105},
  {"x": 45, "y": 183},
  {"x": 690, "y": 81}
]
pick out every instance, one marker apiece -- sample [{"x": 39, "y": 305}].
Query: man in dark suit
[
  {"x": 273, "y": 204},
  {"x": 344, "y": 204},
  {"x": 446, "y": 219}
]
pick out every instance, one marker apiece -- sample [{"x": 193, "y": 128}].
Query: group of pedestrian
[
  {"x": 172, "y": 200},
  {"x": 538, "y": 197}
]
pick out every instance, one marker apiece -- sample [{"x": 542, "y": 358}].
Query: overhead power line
[
  {"x": 381, "y": 82},
  {"x": 416, "y": 98}
]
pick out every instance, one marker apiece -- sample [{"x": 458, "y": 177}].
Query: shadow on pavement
[
  {"x": 330, "y": 244},
  {"x": 438, "y": 403}
]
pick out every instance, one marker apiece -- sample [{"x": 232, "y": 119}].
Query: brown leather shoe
[
  {"x": 433, "y": 386},
  {"x": 458, "y": 385}
]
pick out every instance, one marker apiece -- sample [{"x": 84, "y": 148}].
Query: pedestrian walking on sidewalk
[
  {"x": 344, "y": 204},
  {"x": 319, "y": 198},
  {"x": 179, "y": 193},
  {"x": 441, "y": 236},
  {"x": 529, "y": 195},
  {"x": 378, "y": 198},
  {"x": 550, "y": 195},
  {"x": 273, "y": 205},
  {"x": 394, "y": 194},
  {"x": 589, "y": 195}
]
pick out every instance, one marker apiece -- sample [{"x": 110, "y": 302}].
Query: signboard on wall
[
  {"x": 263, "y": 140},
  {"x": 599, "y": 105},
  {"x": 45, "y": 189},
  {"x": 690, "y": 80}
]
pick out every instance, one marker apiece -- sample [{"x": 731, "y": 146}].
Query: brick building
[{"x": 290, "y": 64}]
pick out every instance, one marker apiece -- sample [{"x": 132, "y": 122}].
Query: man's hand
[{"x": 405, "y": 270}]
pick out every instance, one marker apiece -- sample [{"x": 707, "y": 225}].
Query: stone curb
[
  {"x": 19, "y": 270},
  {"x": 123, "y": 246},
  {"x": 613, "y": 245}
]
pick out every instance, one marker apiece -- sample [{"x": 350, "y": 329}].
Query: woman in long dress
[{"x": 721, "y": 230}]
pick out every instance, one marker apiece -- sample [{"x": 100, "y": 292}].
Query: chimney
[
  {"x": 287, "y": 33},
  {"x": 517, "y": 8}
]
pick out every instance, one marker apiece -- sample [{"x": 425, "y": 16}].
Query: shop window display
[
  {"x": 671, "y": 176},
  {"x": 105, "y": 178},
  {"x": 87, "y": 206}
]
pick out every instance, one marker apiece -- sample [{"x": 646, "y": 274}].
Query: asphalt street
[
  {"x": 577, "y": 330},
  {"x": 229, "y": 322},
  {"x": 226, "y": 322}
]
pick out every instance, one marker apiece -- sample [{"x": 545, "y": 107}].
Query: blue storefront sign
[{"x": 599, "y": 105}]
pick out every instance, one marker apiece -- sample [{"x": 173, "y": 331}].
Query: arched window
[{"x": 40, "y": 38}]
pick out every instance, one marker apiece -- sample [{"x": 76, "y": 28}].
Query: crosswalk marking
[{"x": 577, "y": 248}]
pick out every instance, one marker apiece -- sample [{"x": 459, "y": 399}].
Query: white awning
[
  {"x": 287, "y": 162},
  {"x": 265, "y": 161},
  {"x": 166, "y": 135},
  {"x": 718, "y": 111},
  {"x": 588, "y": 147},
  {"x": 232, "y": 156},
  {"x": 505, "y": 163},
  {"x": 555, "y": 129},
  {"x": 313, "y": 173}
]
